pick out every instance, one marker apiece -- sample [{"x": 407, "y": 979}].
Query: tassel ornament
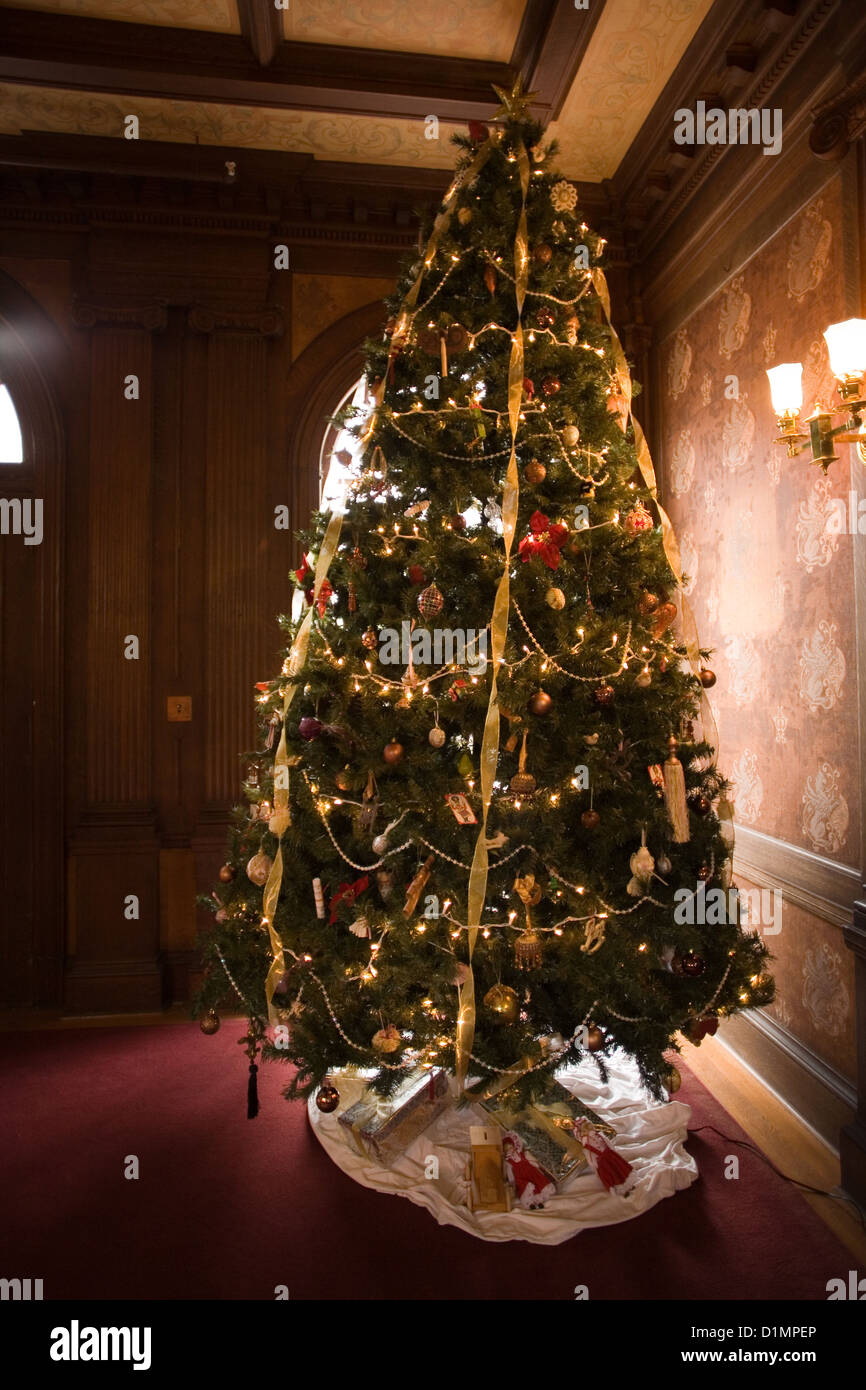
[{"x": 675, "y": 794}]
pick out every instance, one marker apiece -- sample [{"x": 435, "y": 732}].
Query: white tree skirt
[{"x": 649, "y": 1135}]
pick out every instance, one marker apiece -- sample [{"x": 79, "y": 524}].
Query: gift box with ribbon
[
  {"x": 546, "y": 1128},
  {"x": 382, "y": 1129}
]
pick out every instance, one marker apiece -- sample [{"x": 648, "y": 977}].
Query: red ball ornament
[
  {"x": 604, "y": 695},
  {"x": 545, "y": 317},
  {"x": 701, "y": 805},
  {"x": 309, "y": 728},
  {"x": 392, "y": 752},
  {"x": 637, "y": 520},
  {"x": 458, "y": 522},
  {"x": 704, "y": 873},
  {"x": 590, "y": 820},
  {"x": 430, "y": 602},
  {"x": 226, "y": 873},
  {"x": 416, "y": 575},
  {"x": 550, "y": 385},
  {"x": 327, "y": 1098},
  {"x": 542, "y": 254},
  {"x": 692, "y": 964}
]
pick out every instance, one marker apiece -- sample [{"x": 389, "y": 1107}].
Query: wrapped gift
[{"x": 382, "y": 1129}]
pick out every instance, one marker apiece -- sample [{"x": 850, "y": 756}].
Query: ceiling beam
[
  {"x": 143, "y": 60},
  {"x": 262, "y": 27},
  {"x": 551, "y": 42}
]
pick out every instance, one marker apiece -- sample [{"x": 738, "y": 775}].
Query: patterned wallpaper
[{"x": 771, "y": 584}]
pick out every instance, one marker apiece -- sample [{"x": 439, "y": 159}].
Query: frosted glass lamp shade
[
  {"x": 786, "y": 387},
  {"x": 846, "y": 345}
]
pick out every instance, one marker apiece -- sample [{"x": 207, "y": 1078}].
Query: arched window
[
  {"x": 340, "y": 454},
  {"x": 11, "y": 444}
]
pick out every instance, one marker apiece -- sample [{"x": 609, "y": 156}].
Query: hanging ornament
[
  {"x": 590, "y": 820},
  {"x": 369, "y": 804},
  {"x": 436, "y": 737},
  {"x": 258, "y": 869},
  {"x": 705, "y": 873},
  {"x": 675, "y": 794},
  {"x": 699, "y": 1028},
  {"x": 593, "y": 936},
  {"x": 226, "y": 873},
  {"x": 663, "y": 864},
  {"x": 273, "y": 733},
  {"x": 478, "y": 132},
  {"x": 392, "y": 752},
  {"x": 490, "y": 278},
  {"x": 571, "y": 436},
  {"x": 637, "y": 521},
  {"x": 664, "y": 616},
  {"x": 465, "y": 765},
  {"x": 572, "y": 328},
  {"x": 707, "y": 678},
  {"x": 385, "y": 883},
  {"x": 528, "y": 950},
  {"x": 540, "y": 703},
  {"x": 319, "y": 898},
  {"x": 701, "y": 805},
  {"x": 416, "y": 575},
  {"x": 430, "y": 602},
  {"x": 671, "y": 1080},
  {"x": 535, "y": 472},
  {"x": 647, "y": 603},
  {"x": 545, "y": 317},
  {"x": 357, "y": 559},
  {"x": 594, "y": 1038},
  {"x": 327, "y": 1098},
  {"x": 550, "y": 386},
  {"x": 417, "y": 886},
  {"x": 310, "y": 728},
  {"x": 604, "y": 695},
  {"x": 555, "y": 598},
  {"x": 542, "y": 254},
  {"x": 523, "y": 782},
  {"x": 345, "y": 779},
  {"x": 563, "y": 196},
  {"x": 209, "y": 1023},
  {"x": 387, "y": 1039},
  {"x": 353, "y": 598},
  {"x": 503, "y": 1000},
  {"x": 325, "y": 592},
  {"x": 361, "y": 928},
  {"x": 642, "y": 866},
  {"x": 528, "y": 388},
  {"x": 457, "y": 522},
  {"x": 370, "y": 639},
  {"x": 643, "y": 678},
  {"x": 692, "y": 964},
  {"x": 464, "y": 216}
]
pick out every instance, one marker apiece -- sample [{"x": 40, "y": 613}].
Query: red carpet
[{"x": 227, "y": 1208}]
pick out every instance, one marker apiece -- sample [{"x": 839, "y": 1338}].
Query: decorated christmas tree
[{"x": 484, "y": 812}]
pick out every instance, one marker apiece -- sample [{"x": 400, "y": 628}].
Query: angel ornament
[
  {"x": 527, "y": 947},
  {"x": 642, "y": 866}
]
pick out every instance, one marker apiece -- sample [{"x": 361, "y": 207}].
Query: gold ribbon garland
[
  {"x": 281, "y": 818},
  {"x": 669, "y": 541},
  {"x": 498, "y": 632}
]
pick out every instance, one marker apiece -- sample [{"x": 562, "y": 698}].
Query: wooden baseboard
[{"x": 821, "y": 1097}]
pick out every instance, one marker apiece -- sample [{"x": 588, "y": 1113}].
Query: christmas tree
[{"x": 484, "y": 813}]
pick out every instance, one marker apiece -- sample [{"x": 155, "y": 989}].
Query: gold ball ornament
[
  {"x": 392, "y": 752},
  {"x": 209, "y": 1023},
  {"x": 571, "y": 436},
  {"x": 672, "y": 1081},
  {"x": 604, "y": 695},
  {"x": 542, "y": 254},
  {"x": 344, "y": 779},
  {"x": 503, "y": 1000},
  {"x": 643, "y": 679},
  {"x": 436, "y": 737},
  {"x": 536, "y": 472},
  {"x": 327, "y": 1098},
  {"x": 464, "y": 216},
  {"x": 387, "y": 1039},
  {"x": 647, "y": 603},
  {"x": 594, "y": 1038},
  {"x": 708, "y": 678},
  {"x": 523, "y": 783},
  {"x": 226, "y": 873},
  {"x": 555, "y": 598},
  {"x": 370, "y": 639},
  {"x": 259, "y": 868},
  {"x": 540, "y": 703}
]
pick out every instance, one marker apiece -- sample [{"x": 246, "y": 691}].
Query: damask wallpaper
[{"x": 771, "y": 580}]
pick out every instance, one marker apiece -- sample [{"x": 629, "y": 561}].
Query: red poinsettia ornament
[{"x": 544, "y": 542}]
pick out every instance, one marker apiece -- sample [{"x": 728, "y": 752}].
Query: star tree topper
[{"x": 514, "y": 104}]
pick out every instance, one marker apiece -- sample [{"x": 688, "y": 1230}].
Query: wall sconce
[{"x": 846, "y": 345}]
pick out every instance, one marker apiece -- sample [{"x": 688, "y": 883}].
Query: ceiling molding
[
  {"x": 262, "y": 28},
  {"x": 144, "y": 60},
  {"x": 550, "y": 46}
]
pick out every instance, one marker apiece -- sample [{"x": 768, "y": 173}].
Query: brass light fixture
[{"x": 846, "y": 345}]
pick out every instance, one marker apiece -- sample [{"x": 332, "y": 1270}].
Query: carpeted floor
[{"x": 227, "y": 1208}]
